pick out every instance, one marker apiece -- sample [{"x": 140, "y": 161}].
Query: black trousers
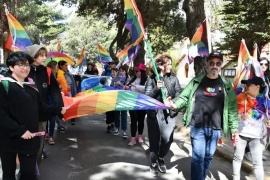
[
  {"x": 27, "y": 165},
  {"x": 160, "y": 137},
  {"x": 109, "y": 117},
  {"x": 137, "y": 121}
]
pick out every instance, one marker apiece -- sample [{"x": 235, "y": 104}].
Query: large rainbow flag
[
  {"x": 135, "y": 26},
  {"x": 199, "y": 45},
  {"x": 58, "y": 56},
  {"x": 20, "y": 39},
  {"x": 109, "y": 100},
  {"x": 103, "y": 55}
]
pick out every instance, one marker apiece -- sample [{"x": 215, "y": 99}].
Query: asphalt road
[{"x": 87, "y": 152}]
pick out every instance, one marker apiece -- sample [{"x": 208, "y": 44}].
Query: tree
[
  {"x": 245, "y": 19},
  {"x": 85, "y": 32},
  {"x": 161, "y": 18}
]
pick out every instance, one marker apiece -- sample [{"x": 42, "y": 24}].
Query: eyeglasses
[
  {"x": 23, "y": 66},
  {"x": 218, "y": 64},
  {"x": 264, "y": 64}
]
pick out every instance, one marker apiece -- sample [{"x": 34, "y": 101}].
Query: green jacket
[{"x": 230, "y": 114}]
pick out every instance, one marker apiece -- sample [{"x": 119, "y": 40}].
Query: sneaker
[
  {"x": 248, "y": 156},
  {"x": 161, "y": 166},
  {"x": 154, "y": 169},
  {"x": 62, "y": 129},
  {"x": 51, "y": 141},
  {"x": 140, "y": 139},
  {"x": 116, "y": 132},
  {"x": 124, "y": 135},
  {"x": 108, "y": 129},
  {"x": 132, "y": 141}
]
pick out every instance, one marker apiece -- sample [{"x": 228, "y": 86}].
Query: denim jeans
[
  {"x": 123, "y": 119},
  {"x": 204, "y": 143},
  {"x": 255, "y": 147},
  {"x": 51, "y": 125}
]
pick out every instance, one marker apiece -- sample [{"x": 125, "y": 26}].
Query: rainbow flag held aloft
[
  {"x": 20, "y": 39},
  {"x": 58, "y": 56},
  {"x": 134, "y": 22},
  {"x": 135, "y": 26},
  {"x": 199, "y": 45},
  {"x": 243, "y": 57},
  {"x": 103, "y": 55},
  {"x": 114, "y": 100},
  {"x": 80, "y": 59}
]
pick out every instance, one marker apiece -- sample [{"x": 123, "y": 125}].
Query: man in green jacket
[{"x": 210, "y": 106}]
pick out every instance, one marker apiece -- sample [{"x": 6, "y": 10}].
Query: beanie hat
[{"x": 32, "y": 50}]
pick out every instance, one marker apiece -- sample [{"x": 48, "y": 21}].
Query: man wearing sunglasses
[{"x": 210, "y": 107}]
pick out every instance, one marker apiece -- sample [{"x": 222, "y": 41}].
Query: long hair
[{"x": 143, "y": 78}]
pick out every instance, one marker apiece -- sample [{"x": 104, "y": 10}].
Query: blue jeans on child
[
  {"x": 123, "y": 120},
  {"x": 204, "y": 143}
]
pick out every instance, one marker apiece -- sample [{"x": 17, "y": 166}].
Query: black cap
[
  {"x": 256, "y": 81},
  {"x": 215, "y": 55}
]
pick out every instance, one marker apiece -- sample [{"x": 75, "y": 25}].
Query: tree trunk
[{"x": 195, "y": 15}]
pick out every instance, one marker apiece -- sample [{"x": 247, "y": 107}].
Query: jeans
[
  {"x": 255, "y": 147},
  {"x": 51, "y": 126},
  {"x": 123, "y": 119},
  {"x": 204, "y": 143}
]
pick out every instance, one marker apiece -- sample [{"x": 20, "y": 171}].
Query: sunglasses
[
  {"x": 137, "y": 71},
  {"x": 218, "y": 64},
  {"x": 265, "y": 64}
]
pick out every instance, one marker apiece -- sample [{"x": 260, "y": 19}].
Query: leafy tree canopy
[
  {"x": 245, "y": 19},
  {"x": 41, "y": 21},
  {"x": 161, "y": 18}
]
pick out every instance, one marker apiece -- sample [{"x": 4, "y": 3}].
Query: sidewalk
[{"x": 226, "y": 151}]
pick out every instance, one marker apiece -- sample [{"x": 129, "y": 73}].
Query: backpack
[{"x": 6, "y": 84}]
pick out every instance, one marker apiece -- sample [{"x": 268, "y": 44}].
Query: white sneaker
[
  {"x": 116, "y": 132},
  {"x": 124, "y": 135}
]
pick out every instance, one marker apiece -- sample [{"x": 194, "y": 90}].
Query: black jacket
[
  {"x": 50, "y": 93},
  {"x": 172, "y": 85},
  {"x": 19, "y": 111}
]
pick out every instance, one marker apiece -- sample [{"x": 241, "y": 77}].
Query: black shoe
[
  {"x": 43, "y": 155},
  {"x": 61, "y": 129},
  {"x": 161, "y": 166},
  {"x": 154, "y": 169},
  {"x": 108, "y": 129}
]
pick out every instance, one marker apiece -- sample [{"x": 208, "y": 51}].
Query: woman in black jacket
[
  {"x": 20, "y": 108},
  {"x": 161, "y": 123}
]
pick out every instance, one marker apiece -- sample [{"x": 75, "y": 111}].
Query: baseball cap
[
  {"x": 32, "y": 50},
  {"x": 256, "y": 81},
  {"x": 215, "y": 55}
]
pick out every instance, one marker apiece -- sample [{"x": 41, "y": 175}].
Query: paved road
[{"x": 86, "y": 152}]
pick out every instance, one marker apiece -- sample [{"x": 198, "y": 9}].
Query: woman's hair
[
  {"x": 41, "y": 51},
  {"x": 52, "y": 64},
  {"x": 162, "y": 61},
  {"x": 143, "y": 78},
  {"x": 18, "y": 57},
  {"x": 61, "y": 63},
  {"x": 124, "y": 68}
]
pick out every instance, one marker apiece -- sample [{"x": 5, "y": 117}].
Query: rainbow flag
[
  {"x": 199, "y": 45},
  {"x": 80, "y": 59},
  {"x": 58, "y": 56},
  {"x": 20, "y": 39},
  {"x": 135, "y": 26},
  {"x": 112, "y": 100},
  {"x": 243, "y": 57},
  {"x": 103, "y": 55},
  {"x": 123, "y": 56}
]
